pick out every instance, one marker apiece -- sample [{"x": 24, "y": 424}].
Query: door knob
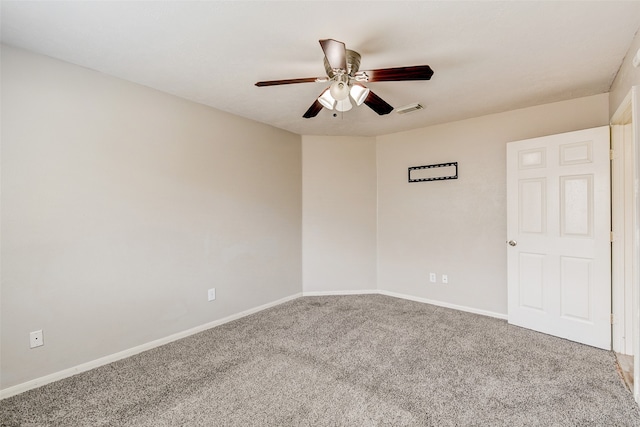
[{"x": 512, "y": 242}]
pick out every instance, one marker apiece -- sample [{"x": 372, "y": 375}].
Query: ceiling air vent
[{"x": 409, "y": 108}]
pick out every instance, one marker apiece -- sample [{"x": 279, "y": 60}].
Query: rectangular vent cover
[{"x": 409, "y": 108}]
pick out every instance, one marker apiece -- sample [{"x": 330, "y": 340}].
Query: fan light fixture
[{"x": 337, "y": 96}]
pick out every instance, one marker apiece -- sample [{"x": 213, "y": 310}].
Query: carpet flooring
[{"x": 361, "y": 360}]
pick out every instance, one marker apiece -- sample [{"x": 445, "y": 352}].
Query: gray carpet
[{"x": 366, "y": 360}]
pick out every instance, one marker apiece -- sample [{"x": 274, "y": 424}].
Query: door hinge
[
  {"x": 612, "y": 154},
  {"x": 611, "y": 318},
  {"x": 611, "y": 236}
]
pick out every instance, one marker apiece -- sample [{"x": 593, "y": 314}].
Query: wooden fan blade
[
  {"x": 417, "y": 72},
  {"x": 378, "y": 104},
  {"x": 313, "y": 110},
  {"x": 336, "y": 53},
  {"x": 287, "y": 81}
]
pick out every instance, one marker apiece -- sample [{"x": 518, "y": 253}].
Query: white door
[{"x": 558, "y": 226}]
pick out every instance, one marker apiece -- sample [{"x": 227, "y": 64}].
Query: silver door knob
[{"x": 512, "y": 242}]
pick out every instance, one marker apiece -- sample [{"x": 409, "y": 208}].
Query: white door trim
[
  {"x": 635, "y": 112},
  {"x": 622, "y": 213},
  {"x": 629, "y": 112}
]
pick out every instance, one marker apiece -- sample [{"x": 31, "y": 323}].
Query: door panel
[
  {"x": 576, "y": 280},
  {"x": 533, "y": 207},
  {"x": 531, "y": 281},
  {"x": 558, "y": 220},
  {"x": 576, "y": 206}
]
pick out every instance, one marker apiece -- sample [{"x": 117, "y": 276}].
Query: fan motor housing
[{"x": 353, "y": 64}]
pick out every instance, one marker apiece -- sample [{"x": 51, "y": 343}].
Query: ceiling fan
[{"x": 342, "y": 67}]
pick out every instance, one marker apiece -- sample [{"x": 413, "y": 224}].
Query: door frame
[
  {"x": 624, "y": 319},
  {"x": 621, "y": 226}
]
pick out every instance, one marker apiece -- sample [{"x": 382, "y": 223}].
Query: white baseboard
[
  {"x": 445, "y": 304},
  {"x": 325, "y": 293},
  {"x": 21, "y": 388}
]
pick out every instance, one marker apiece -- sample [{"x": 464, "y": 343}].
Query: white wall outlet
[
  {"x": 445, "y": 278},
  {"x": 432, "y": 277},
  {"x": 36, "y": 339},
  {"x": 211, "y": 294}
]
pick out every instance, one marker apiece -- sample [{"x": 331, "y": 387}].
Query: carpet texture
[{"x": 365, "y": 360}]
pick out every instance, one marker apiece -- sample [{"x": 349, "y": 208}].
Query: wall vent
[{"x": 409, "y": 108}]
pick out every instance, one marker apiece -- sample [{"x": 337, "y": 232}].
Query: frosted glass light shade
[
  {"x": 327, "y": 100},
  {"x": 359, "y": 93},
  {"x": 344, "y": 105},
  {"x": 339, "y": 90}
]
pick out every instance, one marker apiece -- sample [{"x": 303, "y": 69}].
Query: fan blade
[
  {"x": 418, "y": 72},
  {"x": 313, "y": 110},
  {"x": 378, "y": 104},
  {"x": 288, "y": 81},
  {"x": 335, "y": 52}
]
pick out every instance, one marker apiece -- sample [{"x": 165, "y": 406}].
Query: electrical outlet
[
  {"x": 432, "y": 277},
  {"x": 211, "y": 294},
  {"x": 36, "y": 339},
  {"x": 445, "y": 278}
]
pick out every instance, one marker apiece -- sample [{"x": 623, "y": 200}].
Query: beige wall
[
  {"x": 122, "y": 205},
  {"x": 458, "y": 227},
  {"x": 627, "y": 77},
  {"x": 339, "y": 213}
]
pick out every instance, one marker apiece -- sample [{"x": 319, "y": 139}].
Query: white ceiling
[{"x": 487, "y": 56}]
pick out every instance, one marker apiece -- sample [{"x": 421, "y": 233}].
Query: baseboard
[
  {"x": 38, "y": 382},
  {"x": 326, "y": 293},
  {"x": 445, "y": 304}
]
